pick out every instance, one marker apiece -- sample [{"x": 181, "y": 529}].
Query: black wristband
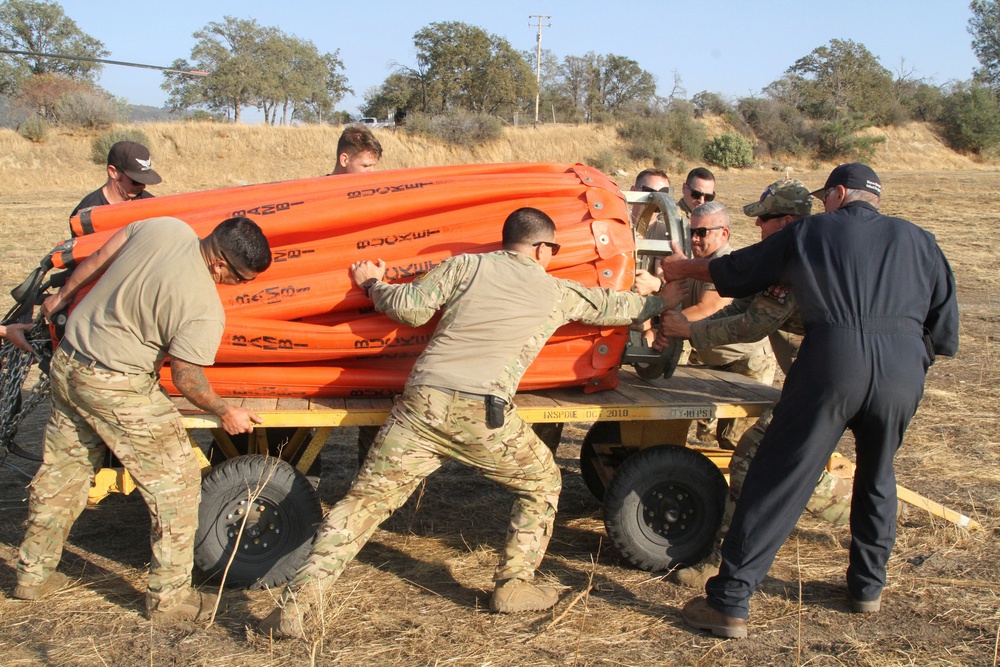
[
  {"x": 663, "y": 283},
  {"x": 368, "y": 284}
]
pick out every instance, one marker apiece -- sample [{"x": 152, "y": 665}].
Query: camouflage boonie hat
[{"x": 786, "y": 197}]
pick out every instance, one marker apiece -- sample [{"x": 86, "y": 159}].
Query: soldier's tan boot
[
  {"x": 282, "y": 623},
  {"x": 196, "y": 606},
  {"x": 516, "y": 595},
  {"x": 53, "y": 583},
  {"x": 696, "y": 575}
]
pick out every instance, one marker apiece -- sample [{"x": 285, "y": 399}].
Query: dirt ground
[{"x": 416, "y": 594}]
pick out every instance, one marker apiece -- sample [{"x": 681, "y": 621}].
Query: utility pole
[{"x": 538, "y": 58}]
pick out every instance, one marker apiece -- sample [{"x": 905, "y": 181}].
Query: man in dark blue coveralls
[{"x": 877, "y": 298}]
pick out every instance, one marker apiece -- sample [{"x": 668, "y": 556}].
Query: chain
[{"x": 15, "y": 364}]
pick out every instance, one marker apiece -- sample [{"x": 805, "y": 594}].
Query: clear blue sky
[{"x": 733, "y": 47}]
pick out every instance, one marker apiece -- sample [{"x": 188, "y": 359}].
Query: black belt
[
  {"x": 460, "y": 394},
  {"x": 80, "y": 357}
]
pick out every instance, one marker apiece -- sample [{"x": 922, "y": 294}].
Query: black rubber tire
[
  {"x": 666, "y": 365},
  {"x": 277, "y": 437},
  {"x": 601, "y": 433},
  {"x": 664, "y": 506},
  {"x": 278, "y": 533}
]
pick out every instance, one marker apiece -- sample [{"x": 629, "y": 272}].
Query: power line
[
  {"x": 102, "y": 60},
  {"x": 538, "y": 58}
]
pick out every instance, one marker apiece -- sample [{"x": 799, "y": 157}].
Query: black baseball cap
[
  {"x": 133, "y": 159},
  {"x": 853, "y": 176}
]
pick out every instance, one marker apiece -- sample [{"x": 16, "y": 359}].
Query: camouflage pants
[
  {"x": 425, "y": 428},
  {"x": 760, "y": 366},
  {"x": 140, "y": 425},
  {"x": 830, "y": 501}
]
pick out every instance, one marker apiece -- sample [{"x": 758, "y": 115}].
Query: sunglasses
[
  {"x": 770, "y": 216},
  {"x": 823, "y": 194},
  {"x": 645, "y": 188},
  {"x": 702, "y": 232},
  {"x": 554, "y": 246},
  {"x": 232, "y": 269},
  {"x": 697, "y": 194}
]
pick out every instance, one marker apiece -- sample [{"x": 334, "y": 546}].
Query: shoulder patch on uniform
[{"x": 777, "y": 292}]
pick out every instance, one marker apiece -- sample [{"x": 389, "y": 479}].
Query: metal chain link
[{"x": 15, "y": 365}]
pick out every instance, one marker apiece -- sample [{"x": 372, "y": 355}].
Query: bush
[
  {"x": 88, "y": 108},
  {"x": 779, "y": 126},
  {"x": 461, "y": 128},
  {"x": 970, "y": 120},
  {"x": 839, "y": 138},
  {"x": 657, "y": 135},
  {"x": 35, "y": 129},
  {"x": 605, "y": 161},
  {"x": 102, "y": 143},
  {"x": 730, "y": 150}
]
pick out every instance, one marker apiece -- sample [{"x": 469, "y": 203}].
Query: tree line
[{"x": 818, "y": 105}]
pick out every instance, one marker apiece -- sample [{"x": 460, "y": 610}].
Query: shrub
[
  {"x": 35, "y": 129},
  {"x": 460, "y": 128},
  {"x": 102, "y": 143},
  {"x": 839, "y": 138},
  {"x": 778, "y": 125},
  {"x": 88, "y": 108},
  {"x": 730, "y": 150},
  {"x": 657, "y": 135},
  {"x": 604, "y": 161},
  {"x": 970, "y": 120}
]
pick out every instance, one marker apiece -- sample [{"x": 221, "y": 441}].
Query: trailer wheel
[
  {"x": 664, "y": 506},
  {"x": 277, "y": 438},
  {"x": 601, "y": 433},
  {"x": 279, "y": 527}
]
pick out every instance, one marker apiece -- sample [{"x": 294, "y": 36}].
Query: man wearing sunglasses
[
  {"x": 771, "y": 313},
  {"x": 154, "y": 294},
  {"x": 710, "y": 239},
  {"x": 878, "y": 303},
  {"x": 497, "y": 310},
  {"x": 698, "y": 189},
  {"x": 129, "y": 172},
  {"x": 648, "y": 180}
]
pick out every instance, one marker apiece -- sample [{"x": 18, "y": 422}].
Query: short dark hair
[
  {"x": 526, "y": 226},
  {"x": 699, "y": 172},
  {"x": 244, "y": 244},
  {"x": 357, "y": 139},
  {"x": 651, "y": 172}
]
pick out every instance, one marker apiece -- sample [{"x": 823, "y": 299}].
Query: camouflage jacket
[
  {"x": 749, "y": 319},
  {"x": 497, "y": 311}
]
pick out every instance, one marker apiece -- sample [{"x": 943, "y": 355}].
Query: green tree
[
  {"x": 467, "y": 68},
  {"x": 970, "y": 120},
  {"x": 841, "y": 77},
  {"x": 254, "y": 65},
  {"x": 233, "y": 52},
  {"x": 984, "y": 26},
  {"x": 43, "y": 27}
]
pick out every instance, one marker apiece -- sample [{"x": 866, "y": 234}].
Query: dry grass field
[{"x": 417, "y": 593}]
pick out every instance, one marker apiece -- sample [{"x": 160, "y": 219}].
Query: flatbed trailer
[{"x": 663, "y": 500}]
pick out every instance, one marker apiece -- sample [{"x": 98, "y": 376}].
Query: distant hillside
[{"x": 197, "y": 156}]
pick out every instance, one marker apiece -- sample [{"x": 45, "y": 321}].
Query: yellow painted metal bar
[
  {"x": 531, "y": 414},
  {"x": 936, "y": 509}
]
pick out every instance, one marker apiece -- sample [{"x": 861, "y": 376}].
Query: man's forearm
[
  {"x": 686, "y": 268},
  {"x": 190, "y": 380}
]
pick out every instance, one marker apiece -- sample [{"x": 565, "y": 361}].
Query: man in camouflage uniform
[
  {"x": 710, "y": 239},
  {"x": 155, "y": 295},
  {"x": 498, "y": 309},
  {"x": 771, "y": 313}
]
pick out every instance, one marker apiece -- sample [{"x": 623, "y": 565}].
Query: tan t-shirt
[
  {"x": 721, "y": 355},
  {"x": 156, "y": 298}
]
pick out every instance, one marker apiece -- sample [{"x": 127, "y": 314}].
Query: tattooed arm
[{"x": 190, "y": 380}]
